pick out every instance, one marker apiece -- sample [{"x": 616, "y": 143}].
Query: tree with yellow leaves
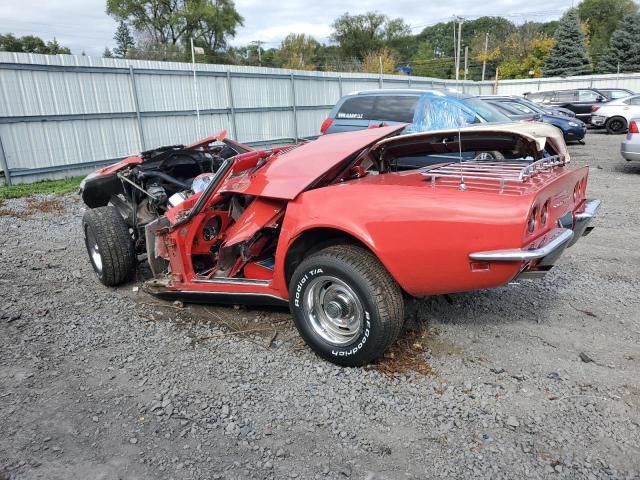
[{"x": 380, "y": 61}]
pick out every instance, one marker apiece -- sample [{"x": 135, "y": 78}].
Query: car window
[
  {"x": 588, "y": 96},
  {"x": 534, "y": 107},
  {"x": 506, "y": 109},
  {"x": 535, "y": 97},
  {"x": 615, "y": 94},
  {"x": 565, "y": 96},
  {"x": 391, "y": 108},
  {"x": 520, "y": 107},
  {"x": 357, "y": 108},
  {"x": 487, "y": 112},
  {"x": 396, "y": 108},
  {"x": 633, "y": 100}
]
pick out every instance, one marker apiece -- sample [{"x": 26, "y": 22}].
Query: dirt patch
[
  {"x": 407, "y": 354},
  {"x": 32, "y": 206},
  {"x": 47, "y": 205}
]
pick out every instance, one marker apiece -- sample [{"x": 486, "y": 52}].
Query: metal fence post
[
  {"x": 4, "y": 165},
  {"x": 295, "y": 110},
  {"x": 232, "y": 106},
  {"x": 340, "y": 85},
  {"x": 136, "y": 103}
]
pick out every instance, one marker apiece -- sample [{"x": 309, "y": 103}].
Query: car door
[
  {"x": 566, "y": 99},
  {"x": 584, "y": 101},
  {"x": 631, "y": 108}
]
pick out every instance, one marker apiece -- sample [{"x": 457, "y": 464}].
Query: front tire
[
  {"x": 109, "y": 245},
  {"x": 345, "y": 305},
  {"x": 616, "y": 125}
]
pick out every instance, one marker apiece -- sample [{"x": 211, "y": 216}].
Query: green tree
[
  {"x": 124, "y": 40},
  {"x": 624, "y": 47},
  {"x": 602, "y": 17},
  {"x": 216, "y": 22},
  {"x": 107, "y": 53},
  {"x": 298, "y": 51},
  {"x": 31, "y": 44},
  {"x": 358, "y": 35},
  {"x": 428, "y": 62},
  {"x": 569, "y": 56},
  {"x": 165, "y": 21}
]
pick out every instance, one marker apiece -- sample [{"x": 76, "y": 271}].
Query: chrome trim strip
[
  {"x": 559, "y": 237},
  {"x": 234, "y": 281}
]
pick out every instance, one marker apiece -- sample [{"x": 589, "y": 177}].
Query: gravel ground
[{"x": 99, "y": 383}]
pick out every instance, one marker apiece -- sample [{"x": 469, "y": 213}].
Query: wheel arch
[{"x": 316, "y": 238}]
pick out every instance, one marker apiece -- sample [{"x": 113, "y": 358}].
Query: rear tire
[
  {"x": 345, "y": 305},
  {"x": 489, "y": 155},
  {"x": 616, "y": 125},
  {"x": 109, "y": 245}
]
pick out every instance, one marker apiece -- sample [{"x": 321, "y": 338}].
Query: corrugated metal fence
[{"x": 64, "y": 115}]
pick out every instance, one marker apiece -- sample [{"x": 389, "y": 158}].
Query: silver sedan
[{"x": 630, "y": 147}]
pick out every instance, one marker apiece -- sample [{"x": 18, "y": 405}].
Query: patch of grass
[{"x": 44, "y": 187}]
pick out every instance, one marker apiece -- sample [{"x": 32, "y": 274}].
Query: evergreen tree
[
  {"x": 124, "y": 40},
  {"x": 107, "y": 53},
  {"x": 569, "y": 56},
  {"x": 624, "y": 47}
]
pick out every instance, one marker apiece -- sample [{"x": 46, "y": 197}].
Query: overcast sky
[{"x": 83, "y": 25}]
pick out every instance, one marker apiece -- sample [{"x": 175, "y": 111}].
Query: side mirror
[{"x": 600, "y": 99}]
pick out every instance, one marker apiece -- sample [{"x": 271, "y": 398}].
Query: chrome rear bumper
[
  {"x": 556, "y": 239},
  {"x": 540, "y": 258}
]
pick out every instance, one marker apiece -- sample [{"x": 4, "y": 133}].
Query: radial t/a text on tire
[{"x": 345, "y": 305}]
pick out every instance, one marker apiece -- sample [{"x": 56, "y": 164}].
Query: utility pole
[
  {"x": 455, "y": 43},
  {"x": 466, "y": 55},
  {"x": 258, "y": 44},
  {"x": 459, "y": 20},
  {"x": 486, "y": 50},
  {"x": 195, "y": 84}
]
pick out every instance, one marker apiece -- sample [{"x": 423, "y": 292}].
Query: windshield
[
  {"x": 485, "y": 111},
  {"x": 531, "y": 105}
]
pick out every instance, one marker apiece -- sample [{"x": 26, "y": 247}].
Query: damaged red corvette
[{"x": 340, "y": 228}]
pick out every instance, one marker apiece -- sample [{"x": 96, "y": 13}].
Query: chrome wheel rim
[
  {"x": 484, "y": 156},
  {"x": 334, "y": 310},
  {"x": 94, "y": 250}
]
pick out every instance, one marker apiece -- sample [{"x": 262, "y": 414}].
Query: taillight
[
  {"x": 531, "y": 223},
  {"x": 325, "y": 125},
  {"x": 633, "y": 127},
  {"x": 544, "y": 213},
  {"x": 595, "y": 108}
]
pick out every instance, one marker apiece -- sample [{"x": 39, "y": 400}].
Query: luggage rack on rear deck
[{"x": 518, "y": 171}]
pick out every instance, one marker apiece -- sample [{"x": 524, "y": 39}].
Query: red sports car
[{"x": 342, "y": 227}]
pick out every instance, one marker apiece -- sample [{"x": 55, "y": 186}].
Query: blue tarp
[{"x": 438, "y": 111}]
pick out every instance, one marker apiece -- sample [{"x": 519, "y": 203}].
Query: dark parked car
[
  {"x": 549, "y": 110},
  {"x": 579, "y": 100},
  {"x": 424, "y": 109},
  {"x": 516, "y": 108}
]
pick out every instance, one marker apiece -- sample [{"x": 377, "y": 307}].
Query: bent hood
[{"x": 289, "y": 174}]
